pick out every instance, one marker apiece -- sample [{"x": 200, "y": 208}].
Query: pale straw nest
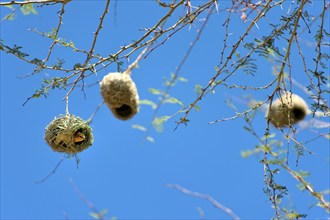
[{"x": 120, "y": 94}]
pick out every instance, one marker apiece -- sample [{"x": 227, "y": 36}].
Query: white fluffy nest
[{"x": 287, "y": 110}]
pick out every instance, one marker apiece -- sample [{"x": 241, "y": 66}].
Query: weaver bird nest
[
  {"x": 287, "y": 110},
  {"x": 120, "y": 94},
  {"x": 69, "y": 134}
]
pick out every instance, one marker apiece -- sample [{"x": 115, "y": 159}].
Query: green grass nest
[{"x": 69, "y": 134}]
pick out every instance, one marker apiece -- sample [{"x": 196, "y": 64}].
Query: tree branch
[{"x": 206, "y": 197}]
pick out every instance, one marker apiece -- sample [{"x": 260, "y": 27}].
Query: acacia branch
[
  {"x": 212, "y": 80},
  {"x": 33, "y": 2},
  {"x": 56, "y": 33},
  {"x": 89, "y": 55},
  {"x": 307, "y": 186}
]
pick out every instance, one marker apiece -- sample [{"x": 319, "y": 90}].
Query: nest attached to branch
[
  {"x": 69, "y": 134},
  {"x": 120, "y": 94},
  {"x": 287, "y": 110}
]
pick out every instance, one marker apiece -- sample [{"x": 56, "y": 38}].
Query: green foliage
[
  {"x": 158, "y": 122},
  {"x": 155, "y": 91},
  {"x": 249, "y": 153},
  {"x": 198, "y": 89},
  {"x": 15, "y": 50},
  {"x": 248, "y": 65},
  {"x": 59, "y": 63},
  {"x": 148, "y": 102},
  {"x": 173, "y": 79},
  {"x": 172, "y": 100},
  {"x": 150, "y": 139},
  {"x": 139, "y": 127},
  {"x": 294, "y": 215},
  {"x": 47, "y": 84},
  {"x": 27, "y": 9},
  {"x": 10, "y": 16},
  {"x": 100, "y": 215},
  {"x": 243, "y": 56}
]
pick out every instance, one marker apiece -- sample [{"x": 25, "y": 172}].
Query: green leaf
[
  {"x": 148, "y": 102},
  {"x": 197, "y": 107},
  {"x": 230, "y": 104},
  {"x": 94, "y": 215},
  {"x": 158, "y": 123},
  {"x": 246, "y": 153},
  {"x": 184, "y": 121},
  {"x": 155, "y": 91},
  {"x": 28, "y": 9},
  {"x": 294, "y": 215},
  {"x": 139, "y": 127},
  {"x": 98, "y": 215},
  {"x": 198, "y": 89},
  {"x": 104, "y": 212},
  {"x": 173, "y": 100},
  {"x": 150, "y": 139},
  {"x": 9, "y": 17},
  {"x": 182, "y": 79}
]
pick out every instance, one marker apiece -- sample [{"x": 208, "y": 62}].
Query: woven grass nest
[
  {"x": 287, "y": 110},
  {"x": 120, "y": 94},
  {"x": 68, "y": 134}
]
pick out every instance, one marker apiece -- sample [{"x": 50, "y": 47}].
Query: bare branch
[
  {"x": 83, "y": 198},
  {"x": 52, "y": 172},
  {"x": 206, "y": 197}
]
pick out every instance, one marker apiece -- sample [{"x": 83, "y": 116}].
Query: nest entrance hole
[
  {"x": 79, "y": 136},
  {"x": 124, "y": 110},
  {"x": 299, "y": 113}
]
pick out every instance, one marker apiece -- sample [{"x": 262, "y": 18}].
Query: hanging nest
[
  {"x": 69, "y": 134},
  {"x": 287, "y": 110},
  {"x": 120, "y": 94}
]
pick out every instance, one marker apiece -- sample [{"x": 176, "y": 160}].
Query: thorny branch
[
  {"x": 178, "y": 69},
  {"x": 227, "y": 64},
  {"x": 96, "y": 34},
  {"x": 235, "y": 47},
  {"x": 33, "y": 2},
  {"x": 308, "y": 187},
  {"x": 60, "y": 22}
]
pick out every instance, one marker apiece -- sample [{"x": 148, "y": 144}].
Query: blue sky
[{"x": 121, "y": 172}]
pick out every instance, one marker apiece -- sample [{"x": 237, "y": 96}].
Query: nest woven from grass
[
  {"x": 120, "y": 94},
  {"x": 68, "y": 134},
  {"x": 287, "y": 110}
]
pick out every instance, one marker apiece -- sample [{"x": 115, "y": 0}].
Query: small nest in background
[
  {"x": 287, "y": 110},
  {"x": 69, "y": 134},
  {"x": 120, "y": 94}
]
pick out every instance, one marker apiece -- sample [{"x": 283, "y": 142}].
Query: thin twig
[
  {"x": 91, "y": 52},
  {"x": 83, "y": 198},
  {"x": 56, "y": 33},
  {"x": 181, "y": 64},
  {"x": 52, "y": 172},
  {"x": 212, "y": 80},
  {"x": 96, "y": 110},
  {"x": 307, "y": 186},
  {"x": 206, "y": 197}
]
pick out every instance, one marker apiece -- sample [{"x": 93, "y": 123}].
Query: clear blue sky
[{"x": 121, "y": 172}]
